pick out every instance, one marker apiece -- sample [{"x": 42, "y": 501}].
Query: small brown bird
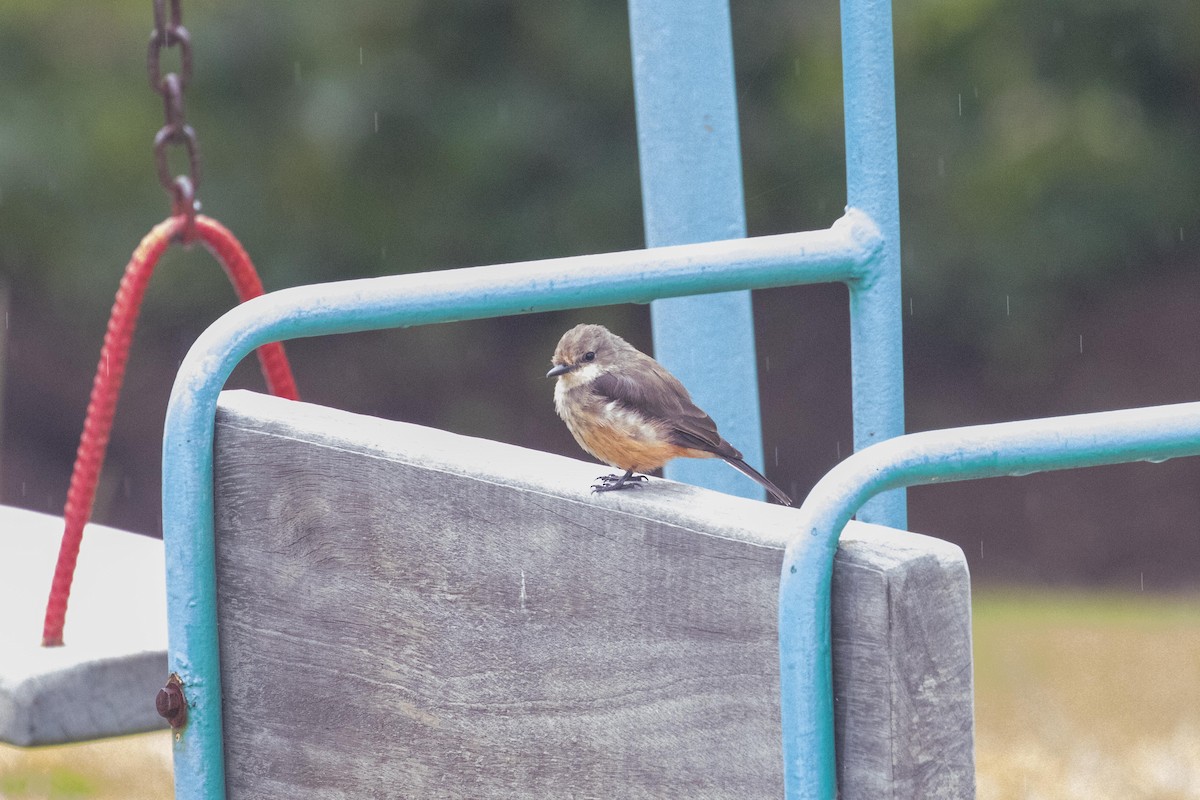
[{"x": 625, "y": 409}]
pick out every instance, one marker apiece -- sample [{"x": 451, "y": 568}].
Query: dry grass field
[
  {"x": 127, "y": 768},
  {"x": 1078, "y": 697},
  {"x": 1087, "y": 697}
]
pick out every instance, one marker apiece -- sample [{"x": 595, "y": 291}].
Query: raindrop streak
[
  {"x": 1007, "y": 307},
  {"x": 522, "y": 597},
  {"x": 1081, "y": 344},
  {"x": 360, "y": 56},
  {"x": 981, "y": 548},
  {"x": 910, "y": 307},
  {"x": 768, "y": 367},
  {"x": 1143, "y": 581},
  {"x": 1181, "y": 234},
  {"x": 777, "y": 455},
  {"x": 377, "y": 122},
  {"x": 960, "y": 104}
]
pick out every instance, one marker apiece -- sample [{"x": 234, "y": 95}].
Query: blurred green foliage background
[{"x": 1050, "y": 203}]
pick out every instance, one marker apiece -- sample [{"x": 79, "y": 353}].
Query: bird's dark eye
[{"x": 589, "y": 356}]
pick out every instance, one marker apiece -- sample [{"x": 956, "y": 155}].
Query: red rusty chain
[{"x": 169, "y": 32}]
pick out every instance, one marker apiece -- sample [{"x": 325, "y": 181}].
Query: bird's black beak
[{"x": 558, "y": 369}]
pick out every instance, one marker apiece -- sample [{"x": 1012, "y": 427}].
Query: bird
[{"x": 627, "y": 410}]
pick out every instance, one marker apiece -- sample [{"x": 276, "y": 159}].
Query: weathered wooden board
[
  {"x": 903, "y": 709},
  {"x": 409, "y": 613}
]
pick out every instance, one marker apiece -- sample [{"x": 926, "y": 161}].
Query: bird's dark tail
[{"x": 758, "y": 477}]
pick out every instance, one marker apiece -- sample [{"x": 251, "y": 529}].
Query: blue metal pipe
[
  {"x": 842, "y": 253},
  {"x": 691, "y": 171},
  {"x": 1010, "y": 448},
  {"x": 872, "y": 185}
]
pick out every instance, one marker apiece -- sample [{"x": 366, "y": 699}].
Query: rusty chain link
[{"x": 169, "y": 32}]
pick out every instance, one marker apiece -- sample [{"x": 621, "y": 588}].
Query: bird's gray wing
[{"x": 659, "y": 396}]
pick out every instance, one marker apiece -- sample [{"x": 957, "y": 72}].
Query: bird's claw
[
  {"x": 614, "y": 478},
  {"x": 608, "y": 483}
]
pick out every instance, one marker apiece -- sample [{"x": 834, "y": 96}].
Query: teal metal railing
[
  {"x": 956, "y": 454},
  {"x": 845, "y": 252}
]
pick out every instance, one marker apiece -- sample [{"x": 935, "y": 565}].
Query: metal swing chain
[{"x": 169, "y": 32}]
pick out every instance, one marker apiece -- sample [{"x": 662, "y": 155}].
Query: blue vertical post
[
  {"x": 877, "y": 368},
  {"x": 691, "y": 172},
  {"x": 877, "y": 375}
]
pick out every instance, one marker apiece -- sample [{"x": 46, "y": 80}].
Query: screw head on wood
[{"x": 171, "y": 704}]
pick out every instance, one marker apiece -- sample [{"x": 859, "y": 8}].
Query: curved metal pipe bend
[{"x": 1155, "y": 434}]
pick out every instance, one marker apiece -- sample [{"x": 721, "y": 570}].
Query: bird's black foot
[{"x": 610, "y": 483}]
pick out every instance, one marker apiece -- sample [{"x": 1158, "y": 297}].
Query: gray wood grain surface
[
  {"x": 904, "y": 709},
  {"x": 410, "y": 613}
]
